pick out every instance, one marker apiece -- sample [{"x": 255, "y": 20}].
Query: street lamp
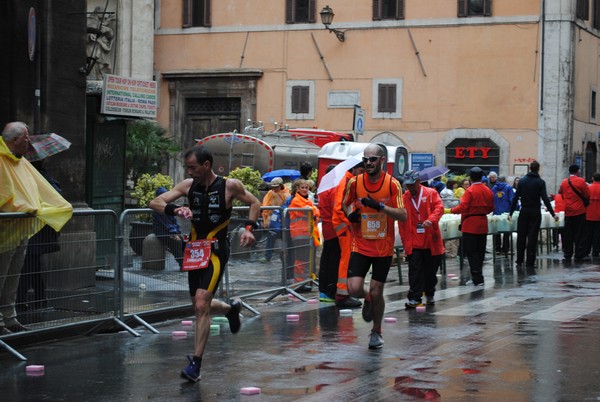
[{"x": 326, "y": 18}]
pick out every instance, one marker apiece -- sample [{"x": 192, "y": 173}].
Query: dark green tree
[{"x": 148, "y": 148}]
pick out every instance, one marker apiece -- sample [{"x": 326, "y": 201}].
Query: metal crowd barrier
[
  {"x": 152, "y": 279},
  {"x": 277, "y": 276},
  {"x": 110, "y": 270},
  {"x": 61, "y": 283}
]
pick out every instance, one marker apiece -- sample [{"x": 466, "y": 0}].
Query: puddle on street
[
  {"x": 406, "y": 385},
  {"x": 322, "y": 366}
]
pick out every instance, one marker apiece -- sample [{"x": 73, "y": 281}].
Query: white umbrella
[{"x": 333, "y": 178}]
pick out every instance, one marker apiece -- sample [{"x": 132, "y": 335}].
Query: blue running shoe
[
  {"x": 325, "y": 298},
  {"x": 192, "y": 371}
]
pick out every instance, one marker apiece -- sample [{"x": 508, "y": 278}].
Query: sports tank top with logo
[{"x": 210, "y": 215}]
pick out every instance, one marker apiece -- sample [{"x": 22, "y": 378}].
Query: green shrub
[
  {"x": 250, "y": 178},
  {"x": 145, "y": 189}
]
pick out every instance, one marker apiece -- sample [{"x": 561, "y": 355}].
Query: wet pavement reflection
[{"x": 525, "y": 336}]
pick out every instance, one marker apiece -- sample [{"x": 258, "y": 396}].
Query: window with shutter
[
  {"x": 187, "y": 15},
  {"x": 300, "y": 100},
  {"x": 388, "y": 9},
  {"x": 596, "y": 11},
  {"x": 583, "y": 9},
  {"x": 196, "y": 13},
  {"x": 593, "y": 105},
  {"x": 474, "y": 8},
  {"x": 300, "y": 96},
  {"x": 387, "y": 98},
  {"x": 300, "y": 11}
]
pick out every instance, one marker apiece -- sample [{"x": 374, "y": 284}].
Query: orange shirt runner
[{"x": 374, "y": 235}]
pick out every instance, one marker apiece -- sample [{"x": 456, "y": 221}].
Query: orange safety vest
[{"x": 300, "y": 224}]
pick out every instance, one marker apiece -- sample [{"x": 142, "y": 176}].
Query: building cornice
[
  {"x": 357, "y": 25},
  {"x": 213, "y": 73}
]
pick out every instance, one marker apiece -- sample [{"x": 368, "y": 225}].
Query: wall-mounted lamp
[{"x": 326, "y": 18}]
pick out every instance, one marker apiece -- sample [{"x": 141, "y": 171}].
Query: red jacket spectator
[
  {"x": 559, "y": 203},
  {"x": 593, "y": 210},
  {"x": 326, "y": 200},
  {"x": 475, "y": 204},
  {"x": 431, "y": 208},
  {"x": 573, "y": 203}
]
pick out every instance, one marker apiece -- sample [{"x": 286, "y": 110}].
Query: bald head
[
  {"x": 376, "y": 149},
  {"x": 374, "y": 159}
]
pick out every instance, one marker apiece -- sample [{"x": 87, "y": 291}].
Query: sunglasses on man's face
[{"x": 370, "y": 159}]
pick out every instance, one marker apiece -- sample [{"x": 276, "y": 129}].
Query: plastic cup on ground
[
  {"x": 250, "y": 391},
  {"x": 292, "y": 317},
  {"x": 179, "y": 334},
  {"x": 187, "y": 323},
  {"x": 390, "y": 319},
  {"x": 220, "y": 319},
  {"x": 34, "y": 369},
  {"x": 215, "y": 328}
]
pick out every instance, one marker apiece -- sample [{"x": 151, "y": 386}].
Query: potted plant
[
  {"x": 144, "y": 192},
  {"x": 148, "y": 148}
]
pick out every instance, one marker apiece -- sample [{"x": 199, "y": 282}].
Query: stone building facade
[{"x": 517, "y": 77}]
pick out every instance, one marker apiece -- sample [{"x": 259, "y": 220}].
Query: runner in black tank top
[
  {"x": 210, "y": 203},
  {"x": 209, "y": 209}
]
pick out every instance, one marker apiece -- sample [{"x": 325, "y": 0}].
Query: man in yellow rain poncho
[{"x": 22, "y": 189}]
